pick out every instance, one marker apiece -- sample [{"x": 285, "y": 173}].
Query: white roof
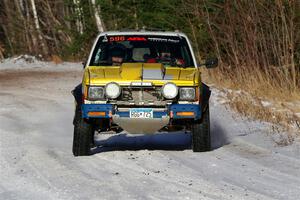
[{"x": 165, "y": 33}]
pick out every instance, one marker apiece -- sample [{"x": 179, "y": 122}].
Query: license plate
[{"x": 141, "y": 113}]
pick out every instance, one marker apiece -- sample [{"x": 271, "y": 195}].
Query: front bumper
[{"x": 173, "y": 111}]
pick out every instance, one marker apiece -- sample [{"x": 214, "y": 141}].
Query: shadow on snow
[{"x": 173, "y": 141}]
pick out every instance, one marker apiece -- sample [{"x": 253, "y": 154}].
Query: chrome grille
[{"x": 141, "y": 94}]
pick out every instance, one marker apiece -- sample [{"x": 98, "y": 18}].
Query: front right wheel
[
  {"x": 201, "y": 133},
  {"x": 83, "y": 135}
]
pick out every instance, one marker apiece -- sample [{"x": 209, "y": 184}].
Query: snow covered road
[{"x": 36, "y": 162}]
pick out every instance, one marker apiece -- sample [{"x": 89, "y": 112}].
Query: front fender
[{"x": 77, "y": 93}]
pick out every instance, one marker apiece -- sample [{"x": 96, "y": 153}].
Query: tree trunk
[
  {"x": 1, "y": 52},
  {"x": 78, "y": 16},
  {"x": 38, "y": 29},
  {"x": 135, "y": 15},
  {"x": 97, "y": 13},
  {"x": 31, "y": 35},
  {"x": 8, "y": 27},
  {"x": 20, "y": 11}
]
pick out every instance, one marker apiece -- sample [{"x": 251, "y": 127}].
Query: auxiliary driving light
[
  {"x": 169, "y": 90},
  {"x": 112, "y": 90}
]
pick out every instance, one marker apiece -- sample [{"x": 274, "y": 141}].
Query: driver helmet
[{"x": 117, "y": 50}]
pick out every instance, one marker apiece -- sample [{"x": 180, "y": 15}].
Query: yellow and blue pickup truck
[{"x": 141, "y": 82}]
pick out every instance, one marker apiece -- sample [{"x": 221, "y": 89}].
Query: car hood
[{"x": 127, "y": 73}]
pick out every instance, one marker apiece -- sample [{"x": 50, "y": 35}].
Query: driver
[{"x": 117, "y": 54}]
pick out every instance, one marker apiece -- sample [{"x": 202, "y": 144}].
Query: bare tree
[
  {"x": 78, "y": 12},
  {"x": 38, "y": 29},
  {"x": 97, "y": 14},
  {"x": 1, "y": 52},
  {"x": 256, "y": 41}
]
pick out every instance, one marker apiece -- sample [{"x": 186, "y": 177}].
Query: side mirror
[
  {"x": 211, "y": 62},
  {"x": 83, "y": 64}
]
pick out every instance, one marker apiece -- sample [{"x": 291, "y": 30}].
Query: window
[{"x": 168, "y": 50}]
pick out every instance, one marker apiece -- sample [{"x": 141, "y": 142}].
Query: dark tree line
[{"x": 259, "y": 37}]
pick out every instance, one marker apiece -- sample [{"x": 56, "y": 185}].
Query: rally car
[{"x": 141, "y": 82}]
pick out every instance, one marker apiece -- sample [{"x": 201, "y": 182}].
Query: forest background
[{"x": 257, "y": 42}]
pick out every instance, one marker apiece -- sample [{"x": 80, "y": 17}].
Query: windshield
[{"x": 168, "y": 50}]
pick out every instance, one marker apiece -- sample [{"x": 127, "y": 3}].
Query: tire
[
  {"x": 83, "y": 135},
  {"x": 201, "y": 133}
]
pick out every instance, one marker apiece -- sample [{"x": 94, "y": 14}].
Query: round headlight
[
  {"x": 169, "y": 90},
  {"x": 112, "y": 90}
]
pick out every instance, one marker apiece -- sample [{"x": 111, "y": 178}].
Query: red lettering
[
  {"x": 117, "y": 39},
  {"x": 136, "y": 39}
]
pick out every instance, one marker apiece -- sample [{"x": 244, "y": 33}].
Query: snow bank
[
  {"x": 285, "y": 112},
  {"x": 32, "y": 62}
]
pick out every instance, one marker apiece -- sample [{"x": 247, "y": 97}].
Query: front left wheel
[{"x": 83, "y": 135}]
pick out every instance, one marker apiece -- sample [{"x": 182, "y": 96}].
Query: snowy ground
[{"x": 36, "y": 161}]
